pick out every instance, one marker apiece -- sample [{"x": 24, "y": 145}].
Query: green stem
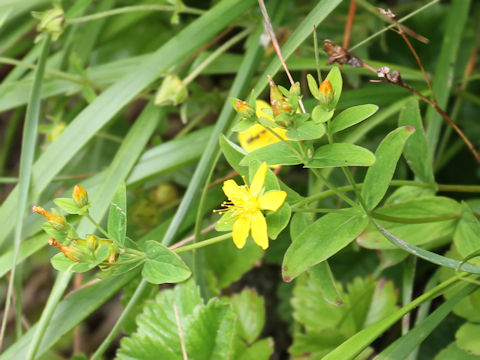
[
  {"x": 316, "y": 210},
  {"x": 333, "y": 188},
  {"x": 97, "y": 225},
  {"x": 221, "y": 49},
  {"x": 29, "y": 140},
  {"x": 317, "y": 58},
  {"x": 118, "y": 325},
  {"x": 61, "y": 283},
  {"x": 129, "y": 9},
  {"x": 203, "y": 243}
]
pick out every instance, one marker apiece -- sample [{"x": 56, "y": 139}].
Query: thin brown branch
[
  {"x": 349, "y": 24},
  {"x": 342, "y": 56},
  {"x": 392, "y": 19},
  {"x": 276, "y": 46}
]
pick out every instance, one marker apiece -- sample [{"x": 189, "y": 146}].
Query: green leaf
[
  {"x": 352, "y": 116},
  {"x": 335, "y": 78},
  {"x": 278, "y": 220},
  {"x": 403, "y": 346},
  {"x": 280, "y": 153},
  {"x": 320, "y": 115},
  {"x": 340, "y": 154},
  {"x": 313, "y": 86},
  {"x": 260, "y": 350},
  {"x": 300, "y": 220},
  {"x": 61, "y": 263},
  {"x": 431, "y": 218},
  {"x": 249, "y": 309},
  {"x": 467, "y": 338},
  {"x": 453, "y": 352},
  {"x": 67, "y": 205},
  {"x": 307, "y": 131},
  {"x": 380, "y": 174},
  {"x": 117, "y": 217},
  {"x": 322, "y": 239},
  {"x": 416, "y": 150},
  {"x": 234, "y": 154},
  {"x": 163, "y": 265},
  {"x": 322, "y": 276},
  {"x": 467, "y": 234}
]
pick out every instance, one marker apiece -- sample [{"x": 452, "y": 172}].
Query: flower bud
[
  {"x": 279, "y": 103},
  {"x": 58, "y": 222},
  {"x": 326, "y": 92},
  {"x": 172, "y": 91},
  {"x": 244, "y": 110},
  {"x": 80, "y": 196},
  {"x": 51, "y": 21},
  {"x": 69, "y": 251},
  {"x": 92, "y": 242}
]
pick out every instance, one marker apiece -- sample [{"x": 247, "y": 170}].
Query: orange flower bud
[
  {"x": 57, "y": 221},
  {"x": 80, "y": 196},
  {"x": 70, "y": 252},
  {"x": 244, "y": 110},
  {"x": 326, "y": 92}
]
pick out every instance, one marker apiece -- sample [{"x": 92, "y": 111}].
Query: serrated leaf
[
  {"x": 67, "y": 205},
  {"x": 467, "y": 338},
  {"x": 280, "y": 153},
  {"x": 322, "y": 239},
  {"x": 380, "y": 174},
  {"x": 352, "y": 116},
  {"x": 260, "y": 350},
  {"x": 340, "y": 154},
  {"x": 117, "y": 217},
  {"x": 249, "y": 308},
  {"x": 163, "y": 265},
  {"x": 416, "y": 150},
  {"x": 307, "y": 131}
]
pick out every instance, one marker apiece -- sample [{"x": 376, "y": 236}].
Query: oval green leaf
[
  {"x": 340, "y": 154},
  {"x": 352, "y": 116}
]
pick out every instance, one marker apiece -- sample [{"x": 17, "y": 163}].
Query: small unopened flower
[
  {"x": 244, "y": 207},
  {"x": 172, "y": 91},
  {"x": 80, "y": 196},
  {"x": 70, "y": 252},
  {"x": 279, "y": 102},
  {"x": 244, "y": 110},
  {"x": 92, "y": 242},
  {"x": 58, "y": 222},
  {"x": 51, "y": 21},
  {"x": 326, "y": 92}
]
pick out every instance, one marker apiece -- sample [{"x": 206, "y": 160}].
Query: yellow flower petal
[
  {"x": 234, "y": 191},
  {"x": 259, "y": 230},
  {"x": 258, "y": 180},
  {"x": 260, "y": 104},
  {"x": 272, "y": 200},
  {"x": 256, "y": 136},
  {"x": 240, "y": 231}
]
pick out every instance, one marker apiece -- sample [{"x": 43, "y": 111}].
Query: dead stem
[{"x": 348, "y": 25}]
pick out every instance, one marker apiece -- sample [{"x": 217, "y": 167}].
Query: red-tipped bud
[
  {"x": 70, "y": 252},
  {"x": 244, "y": 110},
  {"x": 277, "y": 100},
  {"x": 57, "y": 221},
  {"x": 80, "y": 196},
  {"x": 326, "y": 92}
]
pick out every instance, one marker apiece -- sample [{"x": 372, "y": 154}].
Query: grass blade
[{"x": 26, "y": 160}]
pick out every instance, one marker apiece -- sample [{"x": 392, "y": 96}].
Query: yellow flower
[
  {"x": 256, "y": 136},
  {"x": 57, "y": 221},
  {"x": 245, "y": 207}
]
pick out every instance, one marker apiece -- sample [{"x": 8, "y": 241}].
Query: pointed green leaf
[
  {"x": 117, "y": 217},
  {"x": 324, "y": 238},
  {"x": 352, "y": 116},
  {"x": 335, "y": 78},
  {"x": 234, "y": 154},
  {"x": 340, "y": 154},
  {"x": 163, "y": 265},
  {"x": 322, "y": 276},
  {"x": 278, "y": 220},
  {"x": 416, "y": 149},
  {"x": 313, "y": 86},
  {"x": 67, "y": 205},
  {"x": 379, "y": 175}
]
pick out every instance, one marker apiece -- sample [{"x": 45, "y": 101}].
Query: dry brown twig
[{"x": 343, "y": 57}]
